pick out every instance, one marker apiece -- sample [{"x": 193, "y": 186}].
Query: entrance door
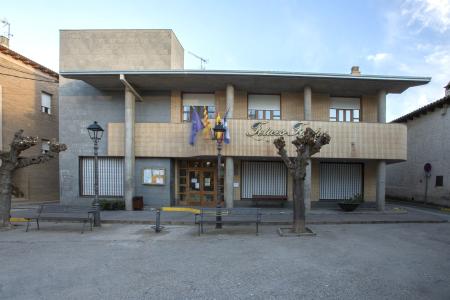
[{"x": 197, "y": 184}]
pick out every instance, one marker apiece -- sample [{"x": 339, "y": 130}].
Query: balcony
[{"x": 253, "y": 138}]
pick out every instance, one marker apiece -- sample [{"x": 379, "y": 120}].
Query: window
[
  {"x": 45, "y": 146},
  {"x": 110, "y": 176},
  {"x": 344, "y": 109},
  {"x": 198, "y": 102},
  {"x": 439, "y": 180},
  {"x": 264, "y": 107},
  {"x": 46, "y": 103}
]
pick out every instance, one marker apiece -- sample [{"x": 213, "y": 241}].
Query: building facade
[
  {"x": 133, "y": 83},
  {"x": 29, "y": 101},
  {"x": 428, "y": 143}
]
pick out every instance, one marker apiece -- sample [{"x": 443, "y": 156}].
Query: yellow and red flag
[{"x": 207, "y": 129}]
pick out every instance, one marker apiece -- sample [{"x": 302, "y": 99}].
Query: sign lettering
[{"x": 261, "y": 131}]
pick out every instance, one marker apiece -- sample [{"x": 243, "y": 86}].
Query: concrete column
[
  {"x": 307, "y": 109},
  {"x": 382, "y": 107},
  {"x": 381, "y": 184},
  {"x": 307, "y": 99},
  {"x": 229, "y": 178},
  {"x": 381, "y": 168},
  {"x": 229, "y": 161},
  {"x": 130, "y": 114}
]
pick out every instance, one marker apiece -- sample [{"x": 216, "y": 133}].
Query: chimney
[
  {"x": 4, "y": 41},
  {"x": 355, "y": 71},
  {"x": 447, "y": 89}
]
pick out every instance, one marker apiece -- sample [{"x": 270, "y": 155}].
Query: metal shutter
[
  {"x": 340, "y": 181},
  {"x": 263, "y": 178},
  {"x": 110, "y": 176}
]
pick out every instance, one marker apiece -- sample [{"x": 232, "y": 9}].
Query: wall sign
[
  {"x": 154, "y": 176},
  {"x": 261, "y": 131}
]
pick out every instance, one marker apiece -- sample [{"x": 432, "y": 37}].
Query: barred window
[{"x": 110, "y": 176}]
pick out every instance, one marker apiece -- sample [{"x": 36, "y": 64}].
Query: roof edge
[
  {"x": 27, "y": 61},
  {"x": 250, "y": 73},
  {"x": 423, "y": 110}
]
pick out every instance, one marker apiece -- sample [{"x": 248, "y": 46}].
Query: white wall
[{"x": 428, "y": 141}]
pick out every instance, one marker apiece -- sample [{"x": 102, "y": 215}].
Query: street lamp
[
  {"x": 95, "y": 133},
  {"x": 219, "y": 132}
]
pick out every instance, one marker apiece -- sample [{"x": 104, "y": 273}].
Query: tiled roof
[
  {"x": 423, "y": 110},
  {"x": 25, "y": 60}
]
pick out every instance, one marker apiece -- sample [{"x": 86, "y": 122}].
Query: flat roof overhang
[{"x": 250, "y": 81}]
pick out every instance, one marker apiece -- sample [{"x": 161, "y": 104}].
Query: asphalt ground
[{"x": 123, "y": 261}]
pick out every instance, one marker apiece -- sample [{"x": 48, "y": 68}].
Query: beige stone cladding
[
  {"x": 240, "y": 105},
  {"x": 120, "y": 50},
  {"x": 320, "y": 107},
  {"x": 21, "y": 109},
  {"x": 176, "y": 107},
  {"x": 221, "y": 102},
  {"x": 292, "y": 106},
  {"x": 369, "y": 108},
  {"x": 349, "y": 140}
]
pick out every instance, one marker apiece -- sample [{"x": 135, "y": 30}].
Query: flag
[
  {"x": 227, "y": 130},
  {"x": 206, "y": 125},
  {"x": 196, "y": 127}
]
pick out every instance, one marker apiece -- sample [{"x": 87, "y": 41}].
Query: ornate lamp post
[
  {"x": 95, "y": 133},
  {"x": 219, "y": 132}
]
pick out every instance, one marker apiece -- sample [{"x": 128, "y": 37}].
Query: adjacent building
[
  {"x": 133, "y": 83},
  {"x": 29, "y": 101},
  {"x": 428, "y": 143}
]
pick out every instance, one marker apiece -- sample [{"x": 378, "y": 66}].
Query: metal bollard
[
  {"x": 218, "y": 218},
  {"x": 158, "y": 226}
]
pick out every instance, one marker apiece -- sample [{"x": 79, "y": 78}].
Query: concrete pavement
[{"x": 120, "y": 261}]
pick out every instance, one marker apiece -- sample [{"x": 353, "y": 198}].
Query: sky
[{"x": 383, "y": 37}]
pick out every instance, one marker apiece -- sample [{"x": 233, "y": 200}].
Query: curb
[{"x": 286, "y": 223}]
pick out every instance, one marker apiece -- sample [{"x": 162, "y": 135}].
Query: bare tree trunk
[
  {"x": 5, "y": 194},
  {"x": 299, "y": 221}
]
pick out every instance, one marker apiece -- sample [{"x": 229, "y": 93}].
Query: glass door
[{"x": 197, "y": 183}]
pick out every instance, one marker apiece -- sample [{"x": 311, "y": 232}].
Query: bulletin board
[{"x": 154, "y": 176}]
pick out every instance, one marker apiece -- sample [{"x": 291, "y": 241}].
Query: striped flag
[{"x": 207, "y": 129}]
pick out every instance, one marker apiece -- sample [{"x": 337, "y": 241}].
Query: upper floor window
[
  {"x": 46, "y": 103},
  {"x": 264, "y": 107},
  {"x": 198, "y": 102},
  {"x": 345, "y": 109}
]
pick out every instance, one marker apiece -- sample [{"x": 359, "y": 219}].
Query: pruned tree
[
  {"x": 12, "y": 160},
  {"x": 307, "y": 143}
]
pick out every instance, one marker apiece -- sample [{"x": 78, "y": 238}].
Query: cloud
[
  {"x": 378, "y": 57},
  {"x": 434, "y": 14}
]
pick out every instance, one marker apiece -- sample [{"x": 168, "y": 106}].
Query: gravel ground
[{"x": 376, "y": 261}]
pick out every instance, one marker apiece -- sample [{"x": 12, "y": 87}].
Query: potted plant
[{"x": 351, "y": 203}]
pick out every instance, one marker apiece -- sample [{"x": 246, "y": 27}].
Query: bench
[
  {"x": 228, "y": 216},
  {"x": 269, "y": 198},
  {"x": 56, "y": 212}
]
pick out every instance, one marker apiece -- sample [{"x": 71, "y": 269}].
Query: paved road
[{"x": 382, "y": 261}]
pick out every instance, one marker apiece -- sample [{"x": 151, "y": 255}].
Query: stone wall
[{"x": 428, "y": 142}]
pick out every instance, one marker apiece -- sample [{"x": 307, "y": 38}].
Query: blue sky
[{"x": 408, "y": 37}]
